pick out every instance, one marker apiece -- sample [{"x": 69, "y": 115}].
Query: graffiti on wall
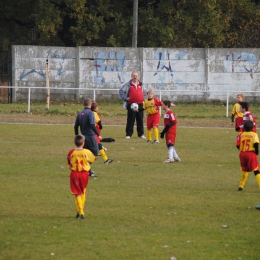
[
  {"x": 109, "y": 62},
  {"x": 56, "y": 73},
  {"x": 165, "y": 63},
  {"x": 241, "y": 62}
]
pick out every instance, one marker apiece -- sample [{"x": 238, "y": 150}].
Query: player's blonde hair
[
  {"x": 150, "y": 91},
  {"x": 240, "y": 95}
]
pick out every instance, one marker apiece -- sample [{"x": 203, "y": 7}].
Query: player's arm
[
  {"x": 93, "y": 127},
  {"x": 69, "y": 155},
  {"x": 256, "y": 146},
  {"x": 76, "y": 126},
  {"x": 166, "y": 128},
  {"x": 232, "y": 118},
  {"x": 100, "y": 124},
  {"x": 238, "y": 142}
]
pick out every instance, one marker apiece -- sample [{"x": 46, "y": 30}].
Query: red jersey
[
  {"x": 97, "y": 120},
  {"x": 135, "y": 94},
  {"x": 169, "y": 117},
  {"x": 248, "y": 116}
]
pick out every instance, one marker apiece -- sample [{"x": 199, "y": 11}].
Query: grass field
[{"x": 138, "y": 207}]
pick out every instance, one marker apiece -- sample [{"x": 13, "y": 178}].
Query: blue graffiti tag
[
  {"x": 166, "y": 63},
  {"x": 109, "y": 62},
  {"x": 231, "y": 66}
]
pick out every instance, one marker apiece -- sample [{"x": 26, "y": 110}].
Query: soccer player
[
  {"x": 248, "y": 143},
  {"x": 98, "y": 124},
  {"x": 151, "y": 105},
  {"x": 170, "y": 127},
  {"x": 246, "y": 116},
  {"x": 78, "y": 160},
  {"x": 236, "y": 114},
  {"x": 86, "y": 121}
]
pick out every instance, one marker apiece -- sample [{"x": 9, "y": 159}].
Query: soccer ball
[{"x": 134, "y": 106}]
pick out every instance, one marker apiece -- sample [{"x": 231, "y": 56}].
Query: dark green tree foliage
[{"x": 161, "y": 23}]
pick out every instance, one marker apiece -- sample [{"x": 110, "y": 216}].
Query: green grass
[
  {"x": 138, "y": 207},
  {"x": 211, "y": 110}
]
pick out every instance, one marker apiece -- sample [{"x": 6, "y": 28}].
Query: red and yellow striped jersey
[
  {"x": 152, "y": 105},
  {"x": 236, "y": 111},
  {"x": 79, "y": 159},
  {"x": 246, "y": 141}
]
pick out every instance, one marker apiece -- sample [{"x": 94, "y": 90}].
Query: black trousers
[{"x": 131, "y": 117}]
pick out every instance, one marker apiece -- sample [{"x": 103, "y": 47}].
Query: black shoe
[
  {"x": 108, "y": 161},
  {"x": 92, "y": 174},
  {"x": 240, "y": 188},
  {"x": 80, "y": 216},
  {"x": 258, "y": 207}
]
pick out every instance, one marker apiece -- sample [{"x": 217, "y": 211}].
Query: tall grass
[{"x": 137, "y": 208}]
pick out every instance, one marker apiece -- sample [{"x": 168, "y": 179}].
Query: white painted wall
[{"x": 180, "y": 74}]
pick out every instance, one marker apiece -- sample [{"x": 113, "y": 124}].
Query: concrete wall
[{"x": 180, "y": 74}]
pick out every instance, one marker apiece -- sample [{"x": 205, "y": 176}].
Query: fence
[{"x": 160, "y": 93}]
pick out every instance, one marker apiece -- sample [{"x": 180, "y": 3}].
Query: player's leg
[
  {"x": 149, "y": 128},
  {"x": 155, "y": 123},
  {"x": 156, "y": 135},
  {"x": 257, "y": 176},
  {"x": 170, "y": 152},
  {"x": 84, "y": 198},
  {"x": 103, "y": 154},
  {"x": 77, "y": 189},
  {"x": 170, "y": 138},
  {"x": 79, "y": 206},
  {"x": 92, "y": 145},
  {"x": 149, "y": 135},
  {"x": 243, "y": 180}
]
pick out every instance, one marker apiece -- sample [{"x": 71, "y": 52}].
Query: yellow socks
[
  {"x": 149, "y": 134},
  {"x": 103, "y": 154},
  {"x": 79, "y": 204},
  {"x": 243, "y": 179},
  {"x": 156, "y": 134},
  {"x": 258, "y": 179},
  {"x": 83, "y": 196}
]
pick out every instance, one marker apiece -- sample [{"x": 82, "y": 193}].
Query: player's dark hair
[
  {"x": 244, "y": 105},
  {"x": 79, "y": 140},
  {"x": 87, "y": 102},
  {"x": 167, "y": 103},
  {"x": 248, "y": 125},
  {"x": 94, "y": 105}
]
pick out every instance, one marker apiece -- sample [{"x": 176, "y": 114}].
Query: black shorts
[{"x": 91, "y": 144}]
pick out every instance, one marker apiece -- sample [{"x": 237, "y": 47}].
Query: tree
[{"x": 161, "y": 23}]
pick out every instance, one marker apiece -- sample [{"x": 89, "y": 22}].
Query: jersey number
[{"x": 246, "y": 145}]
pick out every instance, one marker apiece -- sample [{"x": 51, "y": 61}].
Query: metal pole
[
  {"x": 160, "y": 108},
  {"x": 135, "y": 23},
  {"x": 227, "y": 104},
  {"x": 29, "y": 100},
  {"x": 47, "y": 85}
]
